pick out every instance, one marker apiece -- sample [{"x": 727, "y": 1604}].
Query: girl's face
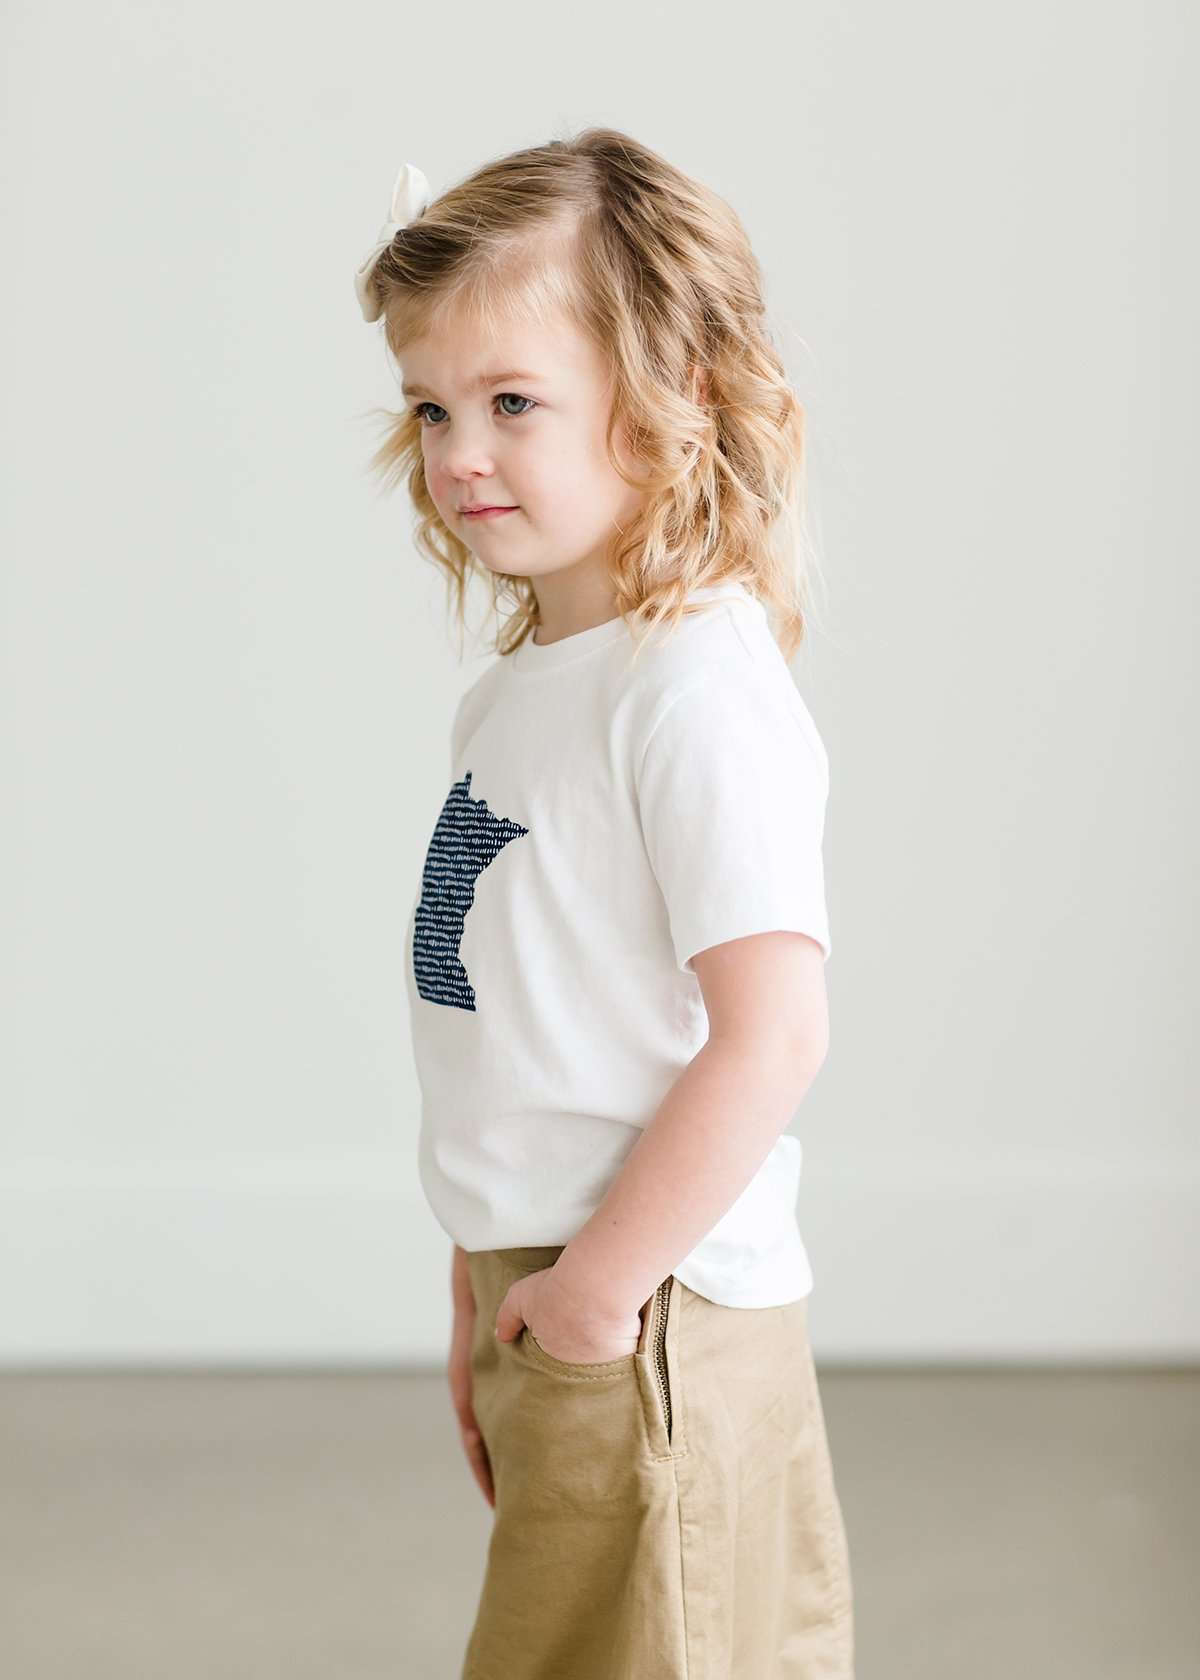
[{"x": 517, "y": 421}]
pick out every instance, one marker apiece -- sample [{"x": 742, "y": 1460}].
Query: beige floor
[{"x": 248, "y": 1527}]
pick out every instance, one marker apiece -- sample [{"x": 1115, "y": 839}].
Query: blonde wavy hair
[{"x": 657, "y": 269}]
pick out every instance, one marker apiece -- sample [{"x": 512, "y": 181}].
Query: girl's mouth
[{"x": 487, "y": 512}]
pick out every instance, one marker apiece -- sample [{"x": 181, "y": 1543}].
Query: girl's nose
[{"x": 464, "y": 456}]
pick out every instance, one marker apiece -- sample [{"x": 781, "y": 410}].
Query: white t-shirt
[{"x": 605, "y": 822}]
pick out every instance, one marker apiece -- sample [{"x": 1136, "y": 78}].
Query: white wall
[{"x": 228, "y": 683}]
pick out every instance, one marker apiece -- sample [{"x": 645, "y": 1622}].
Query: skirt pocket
[{"x": 597, "y": 1368}]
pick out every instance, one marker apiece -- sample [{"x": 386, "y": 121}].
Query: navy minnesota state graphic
[{"x": 466, "y": 838}]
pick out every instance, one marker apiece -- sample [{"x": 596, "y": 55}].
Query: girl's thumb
[{"x": 508, "y": 1323}]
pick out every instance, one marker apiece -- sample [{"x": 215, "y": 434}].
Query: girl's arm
[
  {"x": 460, "y": 1280},
  {"x": 768, "y": 1036}
]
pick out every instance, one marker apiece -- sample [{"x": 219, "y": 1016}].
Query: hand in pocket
[{"x": 566, "y": 1327}]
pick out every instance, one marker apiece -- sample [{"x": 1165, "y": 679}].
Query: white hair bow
[{"x": 410, "y": 198}]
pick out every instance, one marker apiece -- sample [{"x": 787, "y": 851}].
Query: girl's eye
[
  {"x": 420, "y": 408},
  {"x": 516, "y": 398}
]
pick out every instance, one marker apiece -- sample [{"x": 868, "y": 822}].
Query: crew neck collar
[{"x": 531, "y": 657}]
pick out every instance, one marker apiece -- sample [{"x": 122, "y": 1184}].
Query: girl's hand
[
  {"x": 460, "y": 1378},
  {"x": 565, "y": 1328}
]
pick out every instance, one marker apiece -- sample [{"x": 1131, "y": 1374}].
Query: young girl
[{"x": 615, "y": 961}]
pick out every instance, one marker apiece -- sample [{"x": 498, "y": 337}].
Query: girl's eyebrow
[{"x": 478, "y": 383}]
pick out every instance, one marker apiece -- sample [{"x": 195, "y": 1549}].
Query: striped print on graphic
[{"x": 466, "y": 838}]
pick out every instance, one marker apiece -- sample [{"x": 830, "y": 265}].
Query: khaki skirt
[{"x": 669, "y": 1515}]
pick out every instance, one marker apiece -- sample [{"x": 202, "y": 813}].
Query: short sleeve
[{"x": 732, "y": 786}]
